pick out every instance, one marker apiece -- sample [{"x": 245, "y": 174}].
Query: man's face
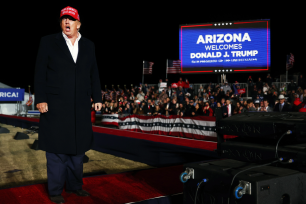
[
  {"x": 174, "y": 101},
  {"x": 228, "y": 102},
  {"x": 281, "y": 100},
  {"x": 70, "y": 26},
  {"x": 266, "y": 103},
  {"x": 149, "y": 102},
  {"x": 222, "y": 101}
]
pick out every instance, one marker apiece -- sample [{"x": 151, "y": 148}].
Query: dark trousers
[{"x": 61, "y": 168}]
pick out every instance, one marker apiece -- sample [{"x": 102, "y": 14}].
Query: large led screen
[{"x": 225, "y": 47}]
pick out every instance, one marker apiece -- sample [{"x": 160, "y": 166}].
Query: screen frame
[{"x": 222, "y": 70}]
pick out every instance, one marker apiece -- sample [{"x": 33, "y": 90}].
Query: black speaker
[
  {"x": 35, "y": 145},
  {"x": 85, "y": 159},
  {"x": 266, "y": 184},
  {"x": 21, "y": 136},
  {"x": 4, "y": 130}
]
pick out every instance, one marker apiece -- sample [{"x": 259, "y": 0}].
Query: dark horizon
[{"x": 149, "y": 34}]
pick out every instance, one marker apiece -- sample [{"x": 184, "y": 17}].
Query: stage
[{"x": 149, "y": 150}]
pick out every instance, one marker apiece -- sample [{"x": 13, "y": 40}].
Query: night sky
[{"x": 126, "y": 34}]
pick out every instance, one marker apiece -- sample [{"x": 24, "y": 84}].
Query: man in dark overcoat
[{"x": 66, "y": 78}]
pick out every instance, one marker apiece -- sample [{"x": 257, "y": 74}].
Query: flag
[
  {"x": 30, "y": 101},
  {"x": 290, "y": 61},
  {"x": 147, "y": 69},
  {"x": 174, "y": 67}
]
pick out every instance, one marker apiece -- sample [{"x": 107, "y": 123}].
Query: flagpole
[
  {"x": 166, "y": 68},
  {"x": 143, "y": 72}
]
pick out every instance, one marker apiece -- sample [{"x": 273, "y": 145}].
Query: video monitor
[{"x": 225, "y": 47}]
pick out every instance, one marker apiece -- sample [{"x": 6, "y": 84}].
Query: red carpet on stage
[{"x": 114, "y": 188}]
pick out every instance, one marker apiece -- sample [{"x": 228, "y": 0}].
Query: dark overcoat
[{"x": 67, "y": 88}]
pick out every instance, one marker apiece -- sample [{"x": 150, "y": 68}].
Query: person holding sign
[{"x": 66, "y": 77}]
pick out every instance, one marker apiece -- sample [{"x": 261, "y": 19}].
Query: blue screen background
[{"x": 259, "y": 42}]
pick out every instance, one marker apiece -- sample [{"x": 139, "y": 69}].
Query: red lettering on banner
[{"x": 241, "y": 91}]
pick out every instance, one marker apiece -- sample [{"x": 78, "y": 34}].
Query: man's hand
[
  {"x": 42, "y": 107},
  {"x": 98, "y": 106}
]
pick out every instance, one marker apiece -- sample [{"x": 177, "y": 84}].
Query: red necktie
[
  {"x": 149, "y": 107},
  {"x": 227, "y": 109}
]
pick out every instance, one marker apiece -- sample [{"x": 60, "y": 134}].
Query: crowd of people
[{"x": 220, "y": 100}]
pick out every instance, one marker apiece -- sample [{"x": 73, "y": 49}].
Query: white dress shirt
[
  {"x": 74, "y": 49},
  {"x": 229, "y": 110}
]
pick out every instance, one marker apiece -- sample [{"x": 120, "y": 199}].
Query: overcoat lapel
[
  {"x": 81, "y": 50},
  {"x": 62, "y": 44}
]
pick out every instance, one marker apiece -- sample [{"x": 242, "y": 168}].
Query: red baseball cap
[{"x": 70, "y": 12}]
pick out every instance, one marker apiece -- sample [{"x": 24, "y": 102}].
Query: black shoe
[
  {"x": 57, "y": 199},
  {"x": 79, "y": 192}
]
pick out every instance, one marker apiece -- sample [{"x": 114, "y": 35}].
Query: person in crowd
[
  {"x": 207, "y": 110},
  {"x": 197, "y": 111},
  {"x": 180, "y": 82},
  {"x": 226, "y": 87},
  {"x": 148, "y": 108},
  {"x": 103, "y": 108},
  {"x": 180, "y": 94},
  {"x": 212, "y": 103},
  {"x": 283, "y": 88},
  {"x": 296, "y": 103},
  {"x": 303, "y": 106},
  {"x": 157, "y": 111},
  {"x": 120, "y": 108},
  {"x": 200, "y": 91},
  {"x": 265, "y": 88},
  {"x": 218, "y": 112},
  {"x": 237, "y": 109},
  {"x": 282, "y": 106},
  {"x": 139, "y": 110},
  {"x": 181, "y": 109},
  {"x": 259, "y": 84},
  {"x": 274, "y": 98},
  {"x": 257, "y": 104},
  {"x": 269, "y": 80},
  {"x": 206, "y": 98},
  {"x": 169, "y": 91},
  {"x": 162, "y": 95},
  {"x": 115, "y": 109},
  {"x": 191, "y": 91},
  {"x": 140, "y": 95},
  {"x": 244, "y": 104},
  {"x": 127, "y": 109},
  {"x": 168, "y": 83},
  {"x": 250, "y": 81},
  {"x": 132, "y": 97},
  {"x": 186, "y": 85},
  {"x": 299, "y": 91},
  {"x": 291, "y": 96},
  {"x": 164, "y": 107},
  {"x": 302, "y": 95},
  {"x": 189, "y": 108},
  {"x": 228, "y": 109},
  {"x": 301, "y": 81},
  {"x": 250, "y": 106},
  {"x": 173, "y": 107},
  {"x": 292, "y": 86},
  {"x": 141, "y": 87},
  {"x": 223, "y": 102}
]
